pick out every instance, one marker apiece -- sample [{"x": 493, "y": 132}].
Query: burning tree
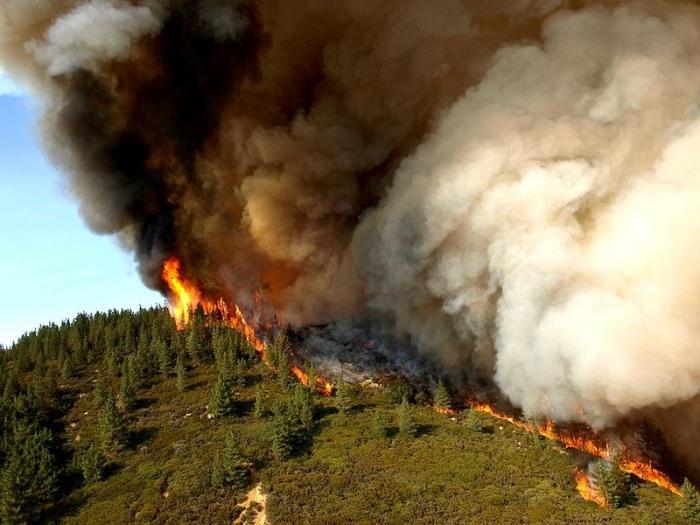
[
  {"x": 613, "y": 483},
  {"x": 441, "y": 396}
]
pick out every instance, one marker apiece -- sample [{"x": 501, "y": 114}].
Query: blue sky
[{"x": 51, "y": 267}]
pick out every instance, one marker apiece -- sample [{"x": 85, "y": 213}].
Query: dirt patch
[{"x": 253, "y": 508}]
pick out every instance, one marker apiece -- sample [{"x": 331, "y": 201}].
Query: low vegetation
[{"x": 119, "y": 418}]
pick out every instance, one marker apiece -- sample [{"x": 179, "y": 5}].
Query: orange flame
[
  {"x": 590, "y": 442},
  {"x": 184, "y": 299},
  {"x": 444, "y": 410},
  {"x": 587, "y": 491},
  {"x": 326, "y": 388}
]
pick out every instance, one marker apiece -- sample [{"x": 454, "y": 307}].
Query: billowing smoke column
[{"x": 511, "y": 186}]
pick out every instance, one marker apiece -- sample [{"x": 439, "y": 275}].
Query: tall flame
[
  {"x": 585, "y": 488},
  {"x": 184, "y": 299},
  {"x": 590, "y": 442}
]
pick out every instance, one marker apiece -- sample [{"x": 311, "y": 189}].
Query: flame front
[
  {"x": 590, "y": 442},
  {"x": 185, "y": 297},
  {"x": 587, "y": 491}
]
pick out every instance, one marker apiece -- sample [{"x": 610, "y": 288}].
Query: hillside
[{"x": 119, "y": 418}]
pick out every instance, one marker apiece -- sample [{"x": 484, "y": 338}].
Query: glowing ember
[
  {"x": 590, "y": 442},
  {"x": 587, "y": 490},
  {"x": 185, "y": 297}
]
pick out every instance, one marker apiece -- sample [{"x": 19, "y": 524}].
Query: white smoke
[
  {"x": 552, "y": 220},
  {"x": 91, "y": 33}
]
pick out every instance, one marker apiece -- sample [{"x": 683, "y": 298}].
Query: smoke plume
[{"x": 512, "y": 187}]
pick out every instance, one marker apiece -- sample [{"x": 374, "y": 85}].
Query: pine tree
[
  {"x": 302, "y": 407},
  {"x": 222, "y": 404},
  {"x": 407, "y": 421},
  {"x": 472, "y": 421},
  {"x": 91, "y": 463},
  {"x": 127, "y": 392},
  {"x": 165, "y": 357},
  {"x": 11, "y": 387},
  {"x": 100, "y": 392},
  {"x": 29, "y": 477},
  {"x": 193, "y": 345},
  {"x": 229, "y": 468},
  {"x": 441, "y": 396},
  {"x": 613, "y": 483},
  {"x": 68, "y": 367},
  {"x": 690, "y": 503},
  {"x": 111, "y": 429},
  {"x": 181, "y": 373},
  {"x": 281, "y": 436},
  {"x": 259, "y": 409},
  {"x": 380, "y": 426},
  {"x": 343, "y": 396}
]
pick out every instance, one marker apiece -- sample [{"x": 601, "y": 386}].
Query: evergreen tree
[
  {"x": 282, "y": 436},
  {"x": 259, "y": 409},
  {"x": 91, "y": 463},
  {"x": 28, "y": 480},
  {"x": 111, "y": 429},
  {"x": 613, "y": 483},
  {"x": 68, "y": 367},
  {"x": 407, "y": 420},
  {"x": 302, "y": 407},
  {"x": 181, "y": 373},
  {"x": 278, "y": 359},
  {"x": 441, "y": 396},
  {"x": 473, "y": 422},
  {"x": 222, "y": 404},
  {"x": 380, "y": 426},
  {"x": 690, "y": 503},
  {"x": 100, "y": 392},
  {"x": 165, "y": 357},
  {"x": 343, "y": 395},
  {"x": 193, "y": 345},
  {"x": 11, "y": 387},
  {"x": 127, "y": 391},
  {"x": 230, "y": 468}
]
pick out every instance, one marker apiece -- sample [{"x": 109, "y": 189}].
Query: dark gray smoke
[{"x": 511, "y": 187}]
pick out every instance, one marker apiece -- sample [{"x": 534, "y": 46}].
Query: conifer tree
[
  {"x": 302, "y": 407},
  {"x": 222, "y": 404},
  {"x": 441, "y": 396},
  {"x": 380, "y": 426},
  {"x": 100, "y": 392},
  {"x": 127, "y": 391},
  {"x": 11, "y": 387},
  {"x": 343, "y": 395},
  {"x": 111, "y": 429},
  {"x": 407, "y": 420},
  {"x": 690, "y": 503},
  {"x": 181, "y": 373},
  {"x": 282, "y": 436},
  {"x": 68, "y": 367},
  {"x": 613, "y": 483},
  {"x": 28, "y": 479},
  {"x": 259, "y": 409},
  {"x": 229, "y": 467},
  {"x": 473, "y": 422},
  {"x": 91, "y": 463},
  {"x": 165, "y": 357}
]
